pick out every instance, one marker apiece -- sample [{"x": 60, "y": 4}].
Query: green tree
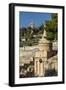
[
  {"x": 41, "y": 29},
  {"x": 51, "y": 27}
]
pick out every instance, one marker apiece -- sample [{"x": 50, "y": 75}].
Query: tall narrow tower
[{"x": 41, "y": 55}]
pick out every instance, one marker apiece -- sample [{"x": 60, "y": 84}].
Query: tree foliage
[{"x": 51, "y": 27}]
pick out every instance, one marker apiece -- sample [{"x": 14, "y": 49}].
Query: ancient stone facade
[{"x": 44, "y": 57}]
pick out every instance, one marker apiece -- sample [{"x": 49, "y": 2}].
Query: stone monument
[{"x": 41, "y": 56}]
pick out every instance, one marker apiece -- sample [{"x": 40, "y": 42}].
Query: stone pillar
[
  {"x": 45, "y": 61},
  {"x": 36, "y": 67},
  {"x": 41, "y": 72}
]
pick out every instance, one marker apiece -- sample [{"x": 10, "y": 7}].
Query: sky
[{"x": 37, "y": 18}]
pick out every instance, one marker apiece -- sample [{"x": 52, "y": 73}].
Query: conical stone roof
[{"x": 43, "y": 39}]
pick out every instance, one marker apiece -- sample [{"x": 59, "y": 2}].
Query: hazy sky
[{"x": 38, "y": 18}]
